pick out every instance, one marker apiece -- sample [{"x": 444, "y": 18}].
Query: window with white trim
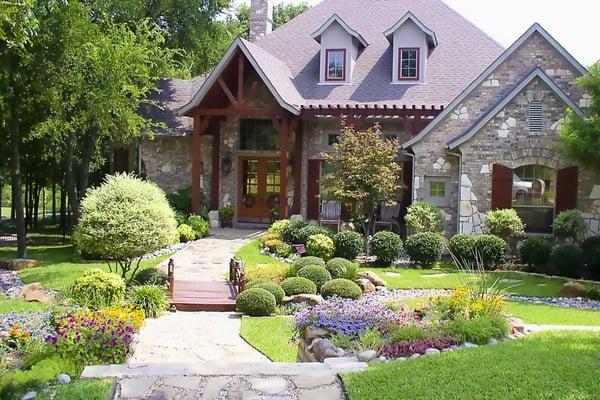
[
  {"x": 536, "y": 116},
  {"x": 408, "y": 64},
  {"x": 437, "y": 190},
  {"x": 335, "y": 64}
]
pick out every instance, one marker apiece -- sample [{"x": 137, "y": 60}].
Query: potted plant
[
  {"x": 226, "y": 214},
  {"x": 275, "y": 213}
]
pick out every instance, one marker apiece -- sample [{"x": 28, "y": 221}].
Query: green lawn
[
  {"x": 549, "y": 365},
  {"x": 271, "y": 336},
  {"x": 84, "y": 389},
  {"x": 8, "y": 305},
  {"x": 261, "y": 266}
]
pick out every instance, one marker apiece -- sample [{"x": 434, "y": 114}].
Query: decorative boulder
[
  {"x": 310, "y": 299},
  {"x": 323, "y": 349},
  {"x": 365, "y": 285},
  {"x": 372, "y": 276},
  {"x": 36, "y": 292},
  {"x": 19, "y": 264},
  {"x": 516, "y": 325},
  {"x": 572, "y": 289},
  {"x": 313, "y": 332}
]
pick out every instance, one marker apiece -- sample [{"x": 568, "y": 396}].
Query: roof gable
[
  {"x": 409, "y": 16},
  {"x": 504, "y": 100},
  {"x": 535, "y": 28},
  {"x": 337, "y": 19}
]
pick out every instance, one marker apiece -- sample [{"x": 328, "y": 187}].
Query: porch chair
[
  {"x": 331, "y": 214},
  {"x": 388, "y": 216}
]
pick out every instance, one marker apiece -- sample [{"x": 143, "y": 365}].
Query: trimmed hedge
[
  {"x": 341, "y": 288},
  {"x": 348, "y": 244},
  {"x": 462, "y": 247},
  {"x": 320, "y": 246},
  {"x": 338, "y": 267},
  {"x": 292, "y": 232},
  {"x": 298, "y": 285},
  {"x": 186, "y": 233},
  {"x": 305, "y": 233},
  {"x": 491, "y": 249},
  {"x": 272, "y": 288},
  {"x": 567, "y": 259},
  {"x": 315, "y": 273},
  {"x": 425, "y": 248},
  {"x": 308, "y": 260},
  {"x": 386, "y": 246},
  {"x": 569, "y": 224},
  {"x": 535, "y": 252},
  {"x": 98, "y": 289},
  {"x": 256, "y": 302}
]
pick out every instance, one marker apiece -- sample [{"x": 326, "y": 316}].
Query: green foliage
[
  {"x": 338, "y": 267},
  {"x": 270, "y": 287},
  {"x": 567, "y": 260},
  {"x": 151, "y": 276},
  {"x": 84, "y": 389},
  {"x": 386, "y": 246},
  {"x": 152, "y": 299},
  {"x": 315, "y": 273},
  {"x": 308, "y": 260},
  {"x": 278, "y": 227},
  {"x": 341, "y": 287},
  {"x": 591, "y": 255},
  {"x": 462, "y": 247},
  {"x": 370, "y": 340},
  {"x": 298, "y": 285},
  {"x": 535, "y": 252},
  {"x": 570, "y": 224},
  {"x": 98, "y": 289},
  {"x": 424, "y": 217},
  {"x": 408, "y": 332},
  {"x": 199, "y": 225},
  {"x": 311, "y": 230},
  {"x": 292, "y": 232},
  {"x": 123, "y": 219},
  {"x": 348, "y": 244},
  {"x": 580, "y": 136},
  {"x": 285, "y": 250},
  {"x": 425, "y": 248},
  {"x": 181, "y": 200},
  {"x": 479, "y": 329},
  {"x": 352, "y": 272},
  {"x": 593, "y": 293},
  {"x": 256, "y": 302},
  {"x": 320, "y": 246},
  {"x": 491, "y": 249},
  {"x": 504, "y": 223},
  {"x": 274, "y": 271},
  {"x": 186, "y": 233}
]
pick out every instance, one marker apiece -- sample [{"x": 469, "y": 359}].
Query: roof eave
[
  {"x": 336, "y": 18},
  {"x": 432, "y": 37}
]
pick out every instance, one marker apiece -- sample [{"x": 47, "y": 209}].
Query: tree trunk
[
  {"x": 70, "y": 180},
  {"x": 63, "y": 207},
  {"x": 17, "y": 181},
  {"x": 36, "y": 204},
  {"x": 53, "y": 201},
  {"x": 89, "y": 145}
]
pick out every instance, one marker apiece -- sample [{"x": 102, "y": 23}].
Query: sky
[{"x": 574, "y": 23}]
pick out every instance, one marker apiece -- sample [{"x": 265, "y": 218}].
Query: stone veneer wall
[{"x": 431, "y": 152}]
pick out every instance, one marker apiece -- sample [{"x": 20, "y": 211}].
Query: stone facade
[{"x": 261, "y": 18}]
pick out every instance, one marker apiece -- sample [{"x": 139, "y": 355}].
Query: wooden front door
[{"x": 259, "y": 184}]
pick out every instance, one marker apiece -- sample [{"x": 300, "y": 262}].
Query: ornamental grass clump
[
  {"x": 151, "y": 299},
  {"x": 97, "y": 289}
]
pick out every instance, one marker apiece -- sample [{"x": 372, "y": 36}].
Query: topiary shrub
[
  {"x": 424, "y": 217},
  {"x": 348, "y": 244},
  {"x": 320, "y": 246},
  {"x": 98, "y": 289},
  {"x": 593, "y": 293},
  {"x": 341, "y": 288},
  {"x": 504, "y": 223},
  {"x": 200, "y": 226},
  {"x": 535, "y": 252},
  {"x": 567, "y": 260},
  {"x": 462, "y": 247},
  {"x": 386, "y": 246},
  {"x": 151, "y": 299},
  {"x": 338, "y": 267},
  {"x": 591, "y": 255},
  {"x": 256, "y": 302},
  {"x": 278, "y": 226},
  {"x": 186, "y": 233},
  {"x": 316, "y": 274},
  {"x": 308, "y": 260},
  {"x": 311, "y": 230},
  {"x": 255, "y": 282},
  {"x": 491, "y": 250},
  {"x": 298, "y": 285},
  {"x": 425, "y": 248},
  {"x": 292, "y": 232},
  {"x": 274, "y": 245},
  {"x": 151, "y": 276},
  {"x": 569, "y": 224},
  {"x": 124, "y": 219},
  {"x": 272, "y": 288}
]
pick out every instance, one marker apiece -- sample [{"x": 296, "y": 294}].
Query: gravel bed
[
  {"x": 171, "y": 249},
  {"x": 567, "y": 302}
]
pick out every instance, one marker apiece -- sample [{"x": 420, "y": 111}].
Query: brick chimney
[{"x": 261, "y": 18}]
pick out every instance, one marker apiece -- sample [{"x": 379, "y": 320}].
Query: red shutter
[
  {"x": 312, "y": 189},
  {"x": 502, "y": 182},
  {"x": 566, "y": 189}
]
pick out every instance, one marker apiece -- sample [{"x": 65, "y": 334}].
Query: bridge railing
[{"x": 236, "y": 275}]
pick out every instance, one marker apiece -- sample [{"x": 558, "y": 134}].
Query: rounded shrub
[
  {"x": 186, "y": 233},
  {"x": 462, "y": 247},
  {"x": 278, "y": 226},
  {"x": 123, "y": 219},
  {"x": 535, "y": 252},
  {"x": 311, "y": 230},
  {"x": 348, "y": 244},
  {"x": 199, "y": 225},
  {"x": 567, "y": 260},
  {"x": 274, "y": 245},
  {"x": 151, "y": 276},
  {"x": 569, "y": 224},
  {"x": 338, "y": 267},
  {"x": 424, "y": 217},
  {"x": 308, "y": 260},
  {"x": 98, "y": 289},
  {"x": 491, "y": 249},
  {"x": 256, "y": 302},
  {"x": 425, "y": 248},
  {"x": 321, "y": 246},
  {"x": 292, "y": 232},
  {"x": 255, "y": 282},
  {"x": 386, "y": 246},
  {"x": 298, "y": 285},
  {"x": 272, "y": 288},
  {"x": 151, "y": 299},
  {"x": 316, "y": 274},
  {"x": 591, "y": 255},
  {"x": 341, "y": 288},
  {"x": 504, "y": 223},
  {"x": 285, "y": 250}
]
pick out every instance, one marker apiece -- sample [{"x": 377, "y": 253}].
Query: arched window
[{"x": 533, "y": 196}]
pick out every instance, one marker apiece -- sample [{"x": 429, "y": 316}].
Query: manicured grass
[
  {"x": 271, "y": 336},
  {"x": 59, "y": 265},
  {"x": 85, "y": 389},
  {"x": 261, "y": 266},
  {"x": 549, "y": 365},
  {"x": 8, "y": 305},
  {"x": 551, "y": 315}
]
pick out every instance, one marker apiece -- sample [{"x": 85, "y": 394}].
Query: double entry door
[{"x": 259, "y": 184}]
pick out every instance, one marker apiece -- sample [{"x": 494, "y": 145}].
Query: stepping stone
[
  {"x": 271, "y": 385},
  {"x": 433, "y": 275},
  {"x": 510, "y": 281},
  {"x": 325, "y": 393},
  {"x": 307, "y": 381},
  {"x": 135, "y": 387},
  {"x": 214, "y": 386},
  {"x": 185, "y": 382},
  {"x": 391, "y": 273}
]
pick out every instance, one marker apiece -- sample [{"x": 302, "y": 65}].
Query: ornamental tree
[{"x": 365, "y": 173}]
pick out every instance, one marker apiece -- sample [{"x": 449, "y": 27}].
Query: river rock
[
  {"x": 367, "y": 355},
  {"x": 372, "y": 276},
  {"x": 36, "y": 292},
  {"x": 324, "y": 349},
  {"x": 572, "y": 289},
  {"x": 366, "y": 285},
  {"x": 63, "y": 379},
  {"x": 313, "y": 332},
  {"x": 19, "y": 264}
]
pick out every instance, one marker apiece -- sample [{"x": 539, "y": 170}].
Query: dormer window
[
  {"x": 408, "y": 68},
  {"x": 335, "y": 61}
]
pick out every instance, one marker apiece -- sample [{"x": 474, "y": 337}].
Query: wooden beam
[
  {"x": 240, "y": 111},
  {"x": 240, "y": 88},
  {"x": 227, "y": 92},
  {"x": 216, "y": 151},
  {"x": 284, "y": 134},
  {"x": 253, "y": 91},
  {"x": 200, "y": 124}
]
